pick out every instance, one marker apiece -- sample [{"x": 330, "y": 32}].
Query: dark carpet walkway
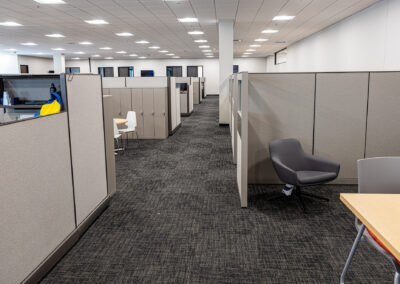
[{"x": 176, "y": 218}]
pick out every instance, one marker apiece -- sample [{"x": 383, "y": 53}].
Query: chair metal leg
[
  {"x": 396, "y": 278},
  {"x": 298, "y": 194},
  {"x": 314, "y": 196},
  {"x": 351, "y": 254}
]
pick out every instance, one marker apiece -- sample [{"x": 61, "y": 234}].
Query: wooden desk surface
[
  {"x": 380, "y": 213},
  {"x": 119, "y": 121}
]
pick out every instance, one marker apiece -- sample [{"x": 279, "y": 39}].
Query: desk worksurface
[
  {"x": 380, "y": 213},
  {"x": 120, "y": 121}
]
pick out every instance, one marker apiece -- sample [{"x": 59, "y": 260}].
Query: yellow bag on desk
[{"x": 54, "y": 105}]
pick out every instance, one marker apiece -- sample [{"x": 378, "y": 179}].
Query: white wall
[
  {"x": 211, "y": 67},
  {"x": 366, "y": 41},
  {"x": 9, "y": 64},
  {"x": 37, "y": 65}
]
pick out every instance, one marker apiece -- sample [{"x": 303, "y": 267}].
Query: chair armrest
[
  {"x": 285, "y": 173},
  {"x": 320, "y": 164}
]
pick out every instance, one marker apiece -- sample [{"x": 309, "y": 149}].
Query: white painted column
[
  {"x": 225, "y": 67},
  {"x": 59, "y": 63}
]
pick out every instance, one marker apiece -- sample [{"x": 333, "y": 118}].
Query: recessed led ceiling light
[
  {"x": 38, "y": 53},
  {"x": 154, "y": 47},
  {"x": 121, "y": 52},
  {"x": 255, "y": 45},
  {"x": 142, "y": 57},
  {"x": 206, "y": 50},
  {"x": 204, "y": 46},
  {"x": 108, "y": 58},
  {"x": 11, "y": 49},
  {"x": 79, "y": 52},
  {"x": 96, "y": 55},
  {"x": 260, "y": 39},
  {"x": 245, "y": 56},
  {"x": 175, "y": 57},
  {"x": 55, "y": 35},
  {"x": 269, "y": 31},
  {"x": 250, "y": 49},
  {"x": 170, "y": 54},
  {"x": 29, "y": 43},
  {"x": 105, "y": 48},
  {"x": 163, "y": 51},
  {"x": 133, "y": 55},
  {"x": 97, "y": 22},
  {"x": 142, "y": 42},
  {"x": 247, "y": 53},
  {"x": 124, "y": 34},
  {"x": 58, "y": 49},
  {"x": 10, "y": 24},
  {"x": 76, "y": 58},
  {"x": 188, "y": 20},
  {"x": 50, "y": 1},
  {"x": 196, "y": 33},
  {"x": 210, "y": 56},
  {"x": 283, "y": 18},
  {"x": 200, "y": 40},
  {"x": 85, "y": 43}
]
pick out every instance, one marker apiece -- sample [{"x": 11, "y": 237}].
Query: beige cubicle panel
[
  {"x": 280, "y": 106},
  {"x": 383, "y": 130},
  {"x": 148, "y": 113},
  {"x": 196, "y": 91},
  {"x": 137, "y": 107},
  {"x": 234, "y": 116},
  {"x": 340, "y": 120},
  {"x": 160, "y": 113},
  {"x": 36, "y": 196},
  {"x": 174, "y": 101},
  {"x": 87, "y": 142},
  {"x": 109, "y": 140}
]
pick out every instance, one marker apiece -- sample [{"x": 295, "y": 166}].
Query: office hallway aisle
[{"x": 176, "y": 218}]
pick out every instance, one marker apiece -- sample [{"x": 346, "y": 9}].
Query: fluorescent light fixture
[
  {"x": 133, "y": 55},
  {"x": 142, "y": 57},
  {"x": 76, "y": 58},
  {"x": 250, "y": 49},
  {"x": 204, "y": 46},
  {"x": 210, "y": 56},
  {"x": 255, "y": 45},
  {"x": 96, "y": 55},
  {"x": 50, "y": 1},
  {"x": 200, "y": 40},
  {"x": 97, "y": 22},
  {"x": 105, "y": 48},
  {"x": 170, "y": 54},
  {"x": 268, "y": 31},
  {"x": 124, "y": 34},
  {"x": 188, "y": 20},
  {"x": 85, "y": 43},
  {"x": 175, "y": 57},
  {"x": 206, "y": 50},
  {"x": 28, "y": 43},
  {"x": 260, "y": 39},
  {"x": 55, "y": 35},
  {"x": 58, "y": 49},
  {"x": 11, "y": 49},
  {"x": 38, "y": 53},
  {"x": 154, "y": 47},
  {"x": 79, "y": 52},
  {"x": 245, "y": 56},
  {"x": 121, "y": 52},
  {"x": 247, "y": 53},
  {"x": 283, "y": 18},
  {"x": 196, "y": 33},
  {"x": 163, "y": 51},
  {"x": 142, "y": 42},
  {"x": 108, "y": 58},
  {"x": 10, "y": 24}
]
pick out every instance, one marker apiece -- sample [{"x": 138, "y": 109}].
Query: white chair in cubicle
[
  {"x": 117, "y": 137},
  {"x": 376, "y": 175},
  {"x": 131, "y": 126}
]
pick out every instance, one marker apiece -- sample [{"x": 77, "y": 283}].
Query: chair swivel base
[{"x": 299, "y": 194}]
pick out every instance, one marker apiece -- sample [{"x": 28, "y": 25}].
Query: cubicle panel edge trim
[{"x": 104, "y": 130}]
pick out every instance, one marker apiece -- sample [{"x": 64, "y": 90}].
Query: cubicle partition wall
[
  {"x": 54, "y": 180},
  {"x": 203, "y": 87},
  {"x": 186, "y": 95},
  {"x": 174, "y": 104},
  {"x": 196, "y": 90},
  {"x": 149, "y": 97},
  {"x": 233, "y": 122},
  {"x": 342, "y": 116}
]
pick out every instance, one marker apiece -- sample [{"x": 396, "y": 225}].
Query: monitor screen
[{"x": 147, "y": 73}]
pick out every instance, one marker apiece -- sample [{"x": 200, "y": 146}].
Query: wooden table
[
  {"x": 120, "y": 121},
  {"x": 380, "y": 213}
]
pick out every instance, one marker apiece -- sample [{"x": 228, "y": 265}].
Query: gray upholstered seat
[{"x": 294, "y": 166}]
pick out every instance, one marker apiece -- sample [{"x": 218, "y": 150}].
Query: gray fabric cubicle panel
[
  {"x": 148, "y": 113},
  {"x": 116, "y": 99},
  {"x": 196, "y": 93},
  {"x": 160, "y": 113},
  {"x": 109, "y": 132},
  {"x": 383, "y": 129},
  {"x": 87, "y": 142},
  {"x": 126, "y": 105},
  {"x": 280, "y": 106},
  {"x": 137, "y": 106},
  {"x": 340, "y": 119},
  {"x": 36, "y": 196}
]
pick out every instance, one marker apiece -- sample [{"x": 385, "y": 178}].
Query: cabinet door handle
[
  {"x": 163, "y": 113},
  {"x": 152, "y": 113}
]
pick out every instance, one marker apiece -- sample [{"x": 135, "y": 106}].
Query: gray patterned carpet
[{"x": 176, "y": 218}]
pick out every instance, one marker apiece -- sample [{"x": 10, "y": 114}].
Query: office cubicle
[
  {"x": 53, "y": 184},
  {"x": 341, "y": 116},
  {"x": 185, "y": 86},
  {"x": 197, "y": 98}
]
